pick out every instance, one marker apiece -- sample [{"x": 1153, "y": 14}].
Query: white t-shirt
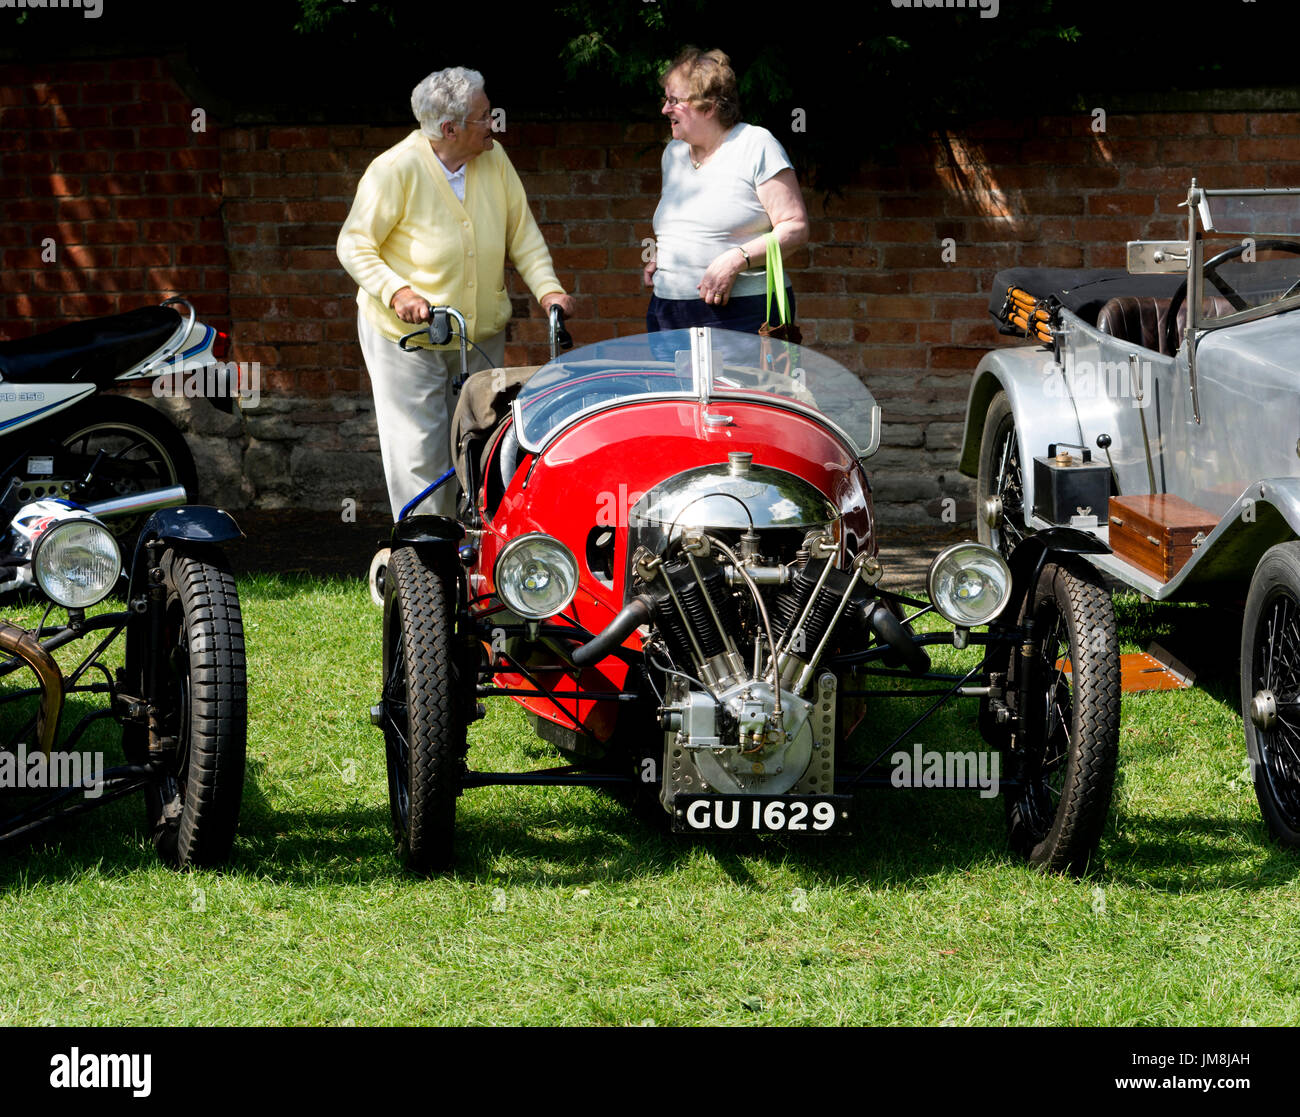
[{"x": 703, "y": 212}]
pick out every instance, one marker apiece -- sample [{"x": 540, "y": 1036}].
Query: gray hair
[{"x": 444, "y": 96}]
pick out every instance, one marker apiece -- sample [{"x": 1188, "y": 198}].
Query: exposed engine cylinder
[{"x": 691, "y": 598}]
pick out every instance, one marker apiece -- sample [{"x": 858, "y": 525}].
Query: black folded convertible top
[{"x": 1082, "y": 290}]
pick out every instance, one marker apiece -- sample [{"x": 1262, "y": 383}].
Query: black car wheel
[
  {"x": 423, "y": 708},
  {"x": 1270, "y": 689},
  {"x": 1067, "y": 743},
  {"x": 193, "y": 807},
  {"x": 999, "y": 487}
]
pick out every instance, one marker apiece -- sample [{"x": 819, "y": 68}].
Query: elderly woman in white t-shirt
[{"x": 725, "y": 185}]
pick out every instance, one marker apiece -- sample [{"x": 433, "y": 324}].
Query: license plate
[{"x": 760, "y": 814}]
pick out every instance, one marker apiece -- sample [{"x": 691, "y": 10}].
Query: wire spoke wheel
[
  {"x": 1270, "y": 689},
  {"x": 423, "y": 706},
  {"x": 141, "y": 452},
  {"x": 1066, "y": 746},
  {"x": 1000, "y": 487}
]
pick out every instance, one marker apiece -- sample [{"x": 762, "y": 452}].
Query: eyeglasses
[
  {"x": 480, "y": 119},
  {"x": 673, "y": 102}
]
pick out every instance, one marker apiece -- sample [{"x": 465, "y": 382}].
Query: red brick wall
[
  {"x": 103, "y": 160},
  {"x": 245, "y": 218}
]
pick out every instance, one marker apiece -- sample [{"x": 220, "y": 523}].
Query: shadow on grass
[
  {"x": 896, "y": 836},
  {"x": 1206, "y": 638},
  {"x": 113, "y": 839},
  {"x": 1195, "y": 853}
]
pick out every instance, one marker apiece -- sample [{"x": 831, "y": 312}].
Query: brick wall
[{"x": 244, "y": 219}]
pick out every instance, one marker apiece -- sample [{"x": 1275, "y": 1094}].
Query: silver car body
[{"x": 1221, "y": 417}]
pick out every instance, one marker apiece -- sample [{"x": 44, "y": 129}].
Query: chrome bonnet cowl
[{"x": 727, "y": 496}]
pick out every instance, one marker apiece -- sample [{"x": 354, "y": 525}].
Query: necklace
[{"x": 704, "y": 158}]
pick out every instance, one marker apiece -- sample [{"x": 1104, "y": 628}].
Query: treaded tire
[
  {"x": 423, "y": 708},
  {"x": 193, "y": 810},
  {"x": 1001, "y": 474},
  {"x": 1067, "y": 745},
  {"x": 1270, "y": 660}
]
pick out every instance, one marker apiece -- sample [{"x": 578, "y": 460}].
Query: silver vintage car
[{"x": 1160, "y": 415}]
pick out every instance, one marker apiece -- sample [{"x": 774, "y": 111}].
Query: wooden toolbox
[{"x": 1156, "y": 533}]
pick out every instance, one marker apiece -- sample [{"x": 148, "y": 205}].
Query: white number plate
[{"x": 760, "y": 814}]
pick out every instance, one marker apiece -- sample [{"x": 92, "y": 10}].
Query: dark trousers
[{"x": 744, "y": 314}]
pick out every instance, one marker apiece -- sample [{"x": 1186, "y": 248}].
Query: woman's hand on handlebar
[
  {"x": 410, "y": 307},
  {"x": 563, "y": 301}
]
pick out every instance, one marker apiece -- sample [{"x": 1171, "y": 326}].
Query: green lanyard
[{"x": 776, "y": 278}]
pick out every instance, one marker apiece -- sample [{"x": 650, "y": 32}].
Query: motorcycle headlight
[
  {"x": 536, "y": 576},
  {"x": 969, "y": 584},
  {"x": 76, "y": 563}
]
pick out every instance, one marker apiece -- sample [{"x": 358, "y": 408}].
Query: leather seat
[
  {"x": 96, "y": 350},
  {"x": 1144, "y": 320},
  {"x": 1212, "y": 306},
  {"x": 1140, "y": 320}
]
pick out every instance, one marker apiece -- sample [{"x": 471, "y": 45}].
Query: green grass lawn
[{"x": 568, "y": 910}]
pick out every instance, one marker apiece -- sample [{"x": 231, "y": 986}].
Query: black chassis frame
[
  {"x": 998, "y": 722},
  {"x": 135, "y": 691}
]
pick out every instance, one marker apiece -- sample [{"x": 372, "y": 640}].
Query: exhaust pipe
[
  {"x": 21, "y": 643},
  {"x": 136, "y": 503}
]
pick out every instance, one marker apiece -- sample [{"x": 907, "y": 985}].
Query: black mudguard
[
  {"x": 191, "y": 523},
  {"x": 416, "y": 531}
]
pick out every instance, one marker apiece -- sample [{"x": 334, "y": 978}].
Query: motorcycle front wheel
[{"x": 142, "y": 451}]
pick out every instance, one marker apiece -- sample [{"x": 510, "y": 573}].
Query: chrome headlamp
[
  {"x": 969, "y": 584},
  {"x": 76, "y": 562},
  {"x": 536, "y": 576}
]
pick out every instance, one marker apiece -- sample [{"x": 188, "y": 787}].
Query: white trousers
[{"x": 413, "y": 408}]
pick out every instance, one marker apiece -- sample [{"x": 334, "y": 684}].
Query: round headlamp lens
[
  {"x": 969, "y": 584},
  {"x": 536, "y": 576},
  {"x": 77, "y": 563}
]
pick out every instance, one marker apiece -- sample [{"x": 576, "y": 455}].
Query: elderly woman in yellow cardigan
[{"x": 433, "y": 221}]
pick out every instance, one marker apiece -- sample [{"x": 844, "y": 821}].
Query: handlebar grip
[{"x": 560, "y": 337}]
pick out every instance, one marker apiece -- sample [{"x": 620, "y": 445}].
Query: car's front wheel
[
  {"x": 999, "y": 485},
  {"x": 193, "y": 804},
  {"x": 1064, "y": 753},
  {"x": 423, "y": 708},
  {"x": 1270, "y": 689}
]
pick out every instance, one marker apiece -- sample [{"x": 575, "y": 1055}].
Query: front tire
[
  {"x": 1000, "y": 479},
  {"x": 423, "y": 708},
  {"x": 193, "y": 807},
  {"x": 1066, "y": 745},
  {"x": 1270, "y": 689}
]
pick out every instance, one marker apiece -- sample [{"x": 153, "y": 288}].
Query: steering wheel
[{"x": 1228, "y": 292}]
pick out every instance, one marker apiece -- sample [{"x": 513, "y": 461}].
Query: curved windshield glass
[
  {"x": 1250, "y": 251},
  {"x": 703, "y": 364}
]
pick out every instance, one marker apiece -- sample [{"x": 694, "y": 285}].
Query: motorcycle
[
  {"x": 178, "y": 694},
  {"x": 63, "y": 437}
]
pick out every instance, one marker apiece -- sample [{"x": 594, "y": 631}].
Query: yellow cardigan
[{"x": 407, "y": 229}]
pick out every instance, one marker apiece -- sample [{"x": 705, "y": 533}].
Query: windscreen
[{"x": 688, "y": 364}]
